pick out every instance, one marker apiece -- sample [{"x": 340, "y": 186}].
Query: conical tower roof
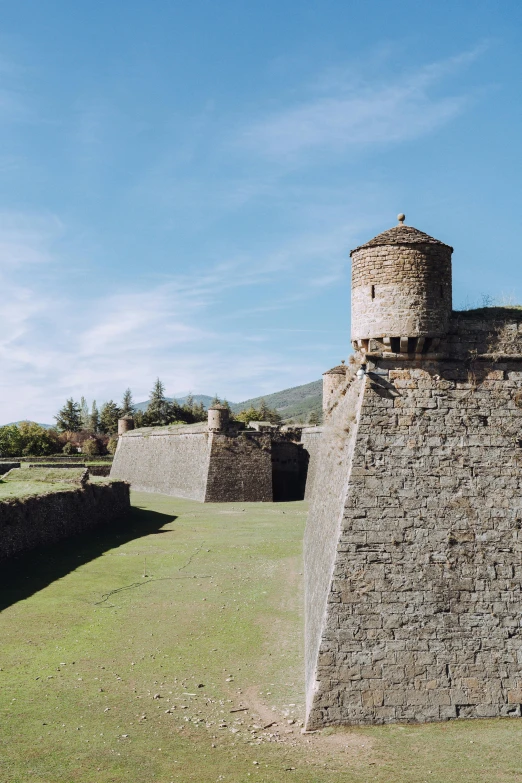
[
  {"x": 401, "y": 235},
  {"x": 339, "y": 369}
]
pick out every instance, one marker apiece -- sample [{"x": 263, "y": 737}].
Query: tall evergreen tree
[
  {"x": 94, "y": 423},
  {"x": 84, "y": 414},
  {"x": 215, "y": 401},
  {"x": 264, "y": 410},
  {"x": 175, "y": 413},
  {"x": 157, "y": 413},
  {"x": 110, "y": 413},
  {"x": 274, "y": 417},
  {"x": 313, "y": 418},
  {"x": 127, "y": 404},
  {"x": 187, "y": 409},
  {"x": 69, "y": 417},
  {"x": 199, "y": 412}
]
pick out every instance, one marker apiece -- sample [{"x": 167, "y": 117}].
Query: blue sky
[{"x": 181, "y": 183}]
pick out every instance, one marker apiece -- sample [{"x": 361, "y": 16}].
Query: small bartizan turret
[
  {"x": 401, "y": 291},
  {"x": 125, "y": 424},
  {"x": 218, "y": 418},
  {"x": 332, "y": 379}
]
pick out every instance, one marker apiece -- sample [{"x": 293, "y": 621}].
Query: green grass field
[
  {"x": 25, "y": 482},
  {"x": 171, "y": 650}
]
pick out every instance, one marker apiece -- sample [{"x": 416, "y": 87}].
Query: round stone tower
[
  {"x": 125, "y": 424},
  {"x": 217, "y": 418},
  {"x": 401, "y": 290},
  {"x": 332, "y": 379}
]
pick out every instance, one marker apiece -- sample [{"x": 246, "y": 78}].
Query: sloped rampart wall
[
  {"x": 424, "y": 601},
  {"x": 170, "y": 463},
  {"x": 333, "y": 450}
]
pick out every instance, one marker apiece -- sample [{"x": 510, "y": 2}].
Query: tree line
[
  {"x": 93, "y": 431},
  {"x": 76, "y": 416}
]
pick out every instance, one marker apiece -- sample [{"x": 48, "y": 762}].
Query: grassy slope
[
  {"x": 298, "y": 401},
  {"x": 206, "y": 613},
  {"x": 25, "y": 482}
]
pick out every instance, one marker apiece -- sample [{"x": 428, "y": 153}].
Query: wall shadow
[{"x": 29, "y": 572}]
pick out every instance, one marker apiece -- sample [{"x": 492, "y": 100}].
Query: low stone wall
[
  {"x": 496, "y": 331},
  {"x": 39, "y": 520},
  {"x": 5, "y": 467},
  {"x": 100, "y": 470},
  {"x": 59, "y": 465}
]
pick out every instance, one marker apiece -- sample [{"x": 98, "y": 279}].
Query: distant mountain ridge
[
  {"x": 296, "y": 402},
  {"x": 22, "y": 421}
]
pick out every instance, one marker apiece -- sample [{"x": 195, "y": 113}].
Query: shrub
[
  {"x": 112, "y": 444},
  {"x": 27, "y": 438},
  {"x": 91, "y": 447},
  {"x": 69, "y": 448}
]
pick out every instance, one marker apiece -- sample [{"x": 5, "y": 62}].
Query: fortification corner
[{"x": 412, "y": 549}]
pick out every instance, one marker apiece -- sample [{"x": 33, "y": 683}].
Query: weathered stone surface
[
  {"x": 171, "y": 461},
  {"x": 240, "y": 468},
  {"x": 5, "y": 467},
  {"x": 414, "y": 539},
  {"x": 218, "y": 466},
  {"x": 413, "y": 548},
  {"x": 401, "y": 286},
  {"x": 36, "y": 521},
  {"x": 311, "y": 440}
]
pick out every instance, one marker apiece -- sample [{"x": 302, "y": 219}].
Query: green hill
[
  {"x": 295, "y": 403},
  {"x": 25, "y": 421}
]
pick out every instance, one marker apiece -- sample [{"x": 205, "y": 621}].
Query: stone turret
[
  {"x": 217, "y": 418},
  {"x": 125, "y": 424},
  {"x": 401, "y": 291},
  {"x": 332, "y": 379}
]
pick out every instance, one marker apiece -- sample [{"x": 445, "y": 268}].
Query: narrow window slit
[{"x": 373, "y": 292}]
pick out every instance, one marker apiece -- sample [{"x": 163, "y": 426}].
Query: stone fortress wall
[
  {"x": 168, "y": 460},
  {"x": 311, "y": 440},
  {"x": 413, "y": 546},
  {"x": 32, "y": 522},
  {"x": 217, "y": 463}
]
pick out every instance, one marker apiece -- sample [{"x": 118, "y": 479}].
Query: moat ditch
[{"x": 170, "y": 648}]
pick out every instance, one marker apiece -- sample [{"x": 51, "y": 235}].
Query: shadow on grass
[{"x": 26, "y": 574}]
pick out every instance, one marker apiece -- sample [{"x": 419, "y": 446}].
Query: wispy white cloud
[
  {"x": 53, "y": 345},
  {"x": 358, "y": 114},
  {"x": 193, "y": 328}
]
